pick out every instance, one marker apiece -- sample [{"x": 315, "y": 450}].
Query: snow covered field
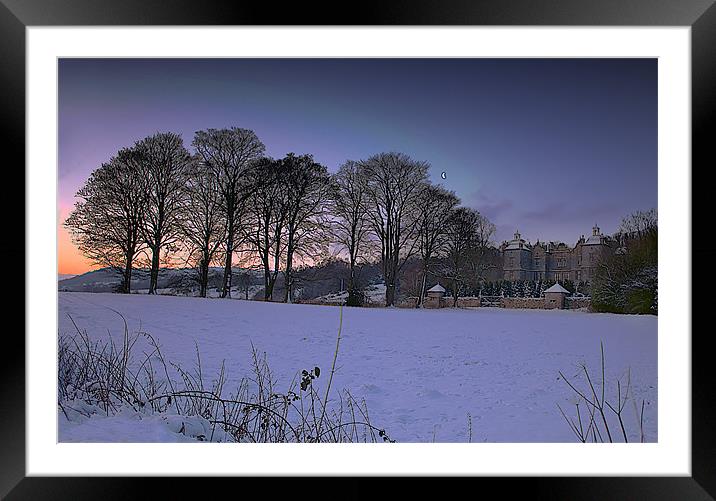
[{"x": 421, "y": 371}]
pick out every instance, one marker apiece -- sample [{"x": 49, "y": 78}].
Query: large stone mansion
[{"x": 553, "y": 260}]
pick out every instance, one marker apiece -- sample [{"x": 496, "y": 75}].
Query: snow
[
  {"x": 437, "y": 288},
  {"x": 421, "y": 371},
  {"x": 557, "y": 288},
  {"x": 131, "y": 427},
  {"x": 595, "y": 240},
  {"x": 336, "y": 297},
  {"x": 374, "y": 294}
]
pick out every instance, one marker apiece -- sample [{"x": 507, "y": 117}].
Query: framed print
[{"x": 410, "y": 243}]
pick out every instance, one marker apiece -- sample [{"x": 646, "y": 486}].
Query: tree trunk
[
  {"x": 289, "y": 263},
  {"x": 389, "y": 274},
  {"x": 423, "y": 286},
  {"x": 226, "y": 289},
  {"x": 273, "y": 275},
  {"x": 267, "y": 279},
  {"x": 203, "y": 277},
  {"x": 154, "y": 272},
  {"x": 127, "y": 278},
  {"x": 422, "y": 290},
  {"x": 351, "y": 277},
  {"x": 287, "y": 284},
  {"x": 390, "y": 294},
  {"x": 267, "y": 282}
]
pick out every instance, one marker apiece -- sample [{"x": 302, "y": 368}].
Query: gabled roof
[
  {"x": 557, "y": 288},
  {"x": 436, "y": 288}
]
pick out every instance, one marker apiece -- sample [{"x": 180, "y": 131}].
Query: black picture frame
[{"x": 700, "y": 15}]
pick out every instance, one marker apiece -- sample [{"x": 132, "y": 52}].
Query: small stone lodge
[
  {"x": 554, "y": 299},
  {"x": 436, "y": 297}
]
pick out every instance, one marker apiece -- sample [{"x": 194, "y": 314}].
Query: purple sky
[{"x": 549, "y": 146}]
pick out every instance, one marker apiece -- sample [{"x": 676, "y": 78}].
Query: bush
[
  {"x": 356, "y": 297},
  {"x": 641, "y": 301},
  {"x": 627, "y": 281}
]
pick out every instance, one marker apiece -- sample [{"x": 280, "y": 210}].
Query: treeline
[
  {"x": 528, "y": 288},
  {"x": 224, "y": 200},
  {"x": 627, "y": 280}
]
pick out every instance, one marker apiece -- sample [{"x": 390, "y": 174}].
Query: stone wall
[
  {"x": 531, "y": 303},
  {"x": 435, "y": 302},
  {"x": 575, "y": 303},
  {"x": 468, "y": 302},
  {"x": 318, "y": 302},
  {"x": 408, "y": 302},
  {"x": 540, "y": 303}
]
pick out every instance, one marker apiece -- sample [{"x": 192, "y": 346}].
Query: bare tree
[
  {"x": 481, "y": 258},
  {"x": 393, "y": 182},
  {"x": 228, "y": 153},
  {"x": 165, "y": 169},
  {"x": 244, "y": 282},
  {"x": 350, "y": 219},
  {"x": 306, "y": 197},
  {"x": 639, "y": 224},
  {"x": 435, "y": 206},
  {"x": 203, "y": 224},
  {"x": 466, "y": 245},
  {"x": 266, "y": 211},
  {"x": 106, "y": 222}
]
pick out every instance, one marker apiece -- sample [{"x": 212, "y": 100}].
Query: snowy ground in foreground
[{"x": 420, "y": 371}]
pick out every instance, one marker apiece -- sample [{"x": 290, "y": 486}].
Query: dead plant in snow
[
  {"x": 591, "y": 422},
  {"x": 101, "y": 377}
]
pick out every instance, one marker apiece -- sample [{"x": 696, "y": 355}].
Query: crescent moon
[{"x": 443, "y": 175}]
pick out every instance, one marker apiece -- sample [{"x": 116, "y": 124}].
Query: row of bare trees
[
  {"x": 155, "y": 201},
  {"x": 386, "y": 207}
]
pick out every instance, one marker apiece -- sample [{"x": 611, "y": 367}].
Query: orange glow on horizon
[{"x": 69, "y": 259}]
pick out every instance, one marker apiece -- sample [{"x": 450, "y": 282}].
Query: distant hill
[
  {"x": 107, "y": 280},
  {"x": 103, "y": 280},
  {"x": 64, "y": 276}
]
